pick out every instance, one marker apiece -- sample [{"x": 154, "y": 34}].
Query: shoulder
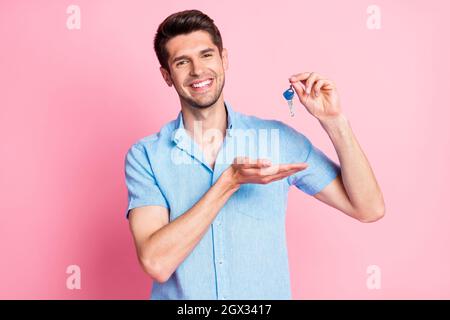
[{"x": 154, "y": 140}]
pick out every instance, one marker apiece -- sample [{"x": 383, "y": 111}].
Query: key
[{"x": 289, "y": 96}]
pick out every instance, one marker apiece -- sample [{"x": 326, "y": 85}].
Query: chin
[{"x": 202, "y": 105}]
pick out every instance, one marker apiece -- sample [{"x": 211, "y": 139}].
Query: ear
[
  {"x": 166, "y": 76},
  {"x": 225, "y": 58}
]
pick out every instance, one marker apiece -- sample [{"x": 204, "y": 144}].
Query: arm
[
  {"x": 356, "y": 191},
  {"x": 161, "y": 246}
]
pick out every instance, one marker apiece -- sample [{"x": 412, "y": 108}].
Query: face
[{"x": 197, "y": 70}]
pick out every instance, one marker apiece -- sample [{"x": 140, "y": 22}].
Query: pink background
[{"x": 73, "y": 101}]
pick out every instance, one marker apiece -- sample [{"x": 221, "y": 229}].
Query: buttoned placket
[
  {"x": 218, "y": 232},
  {"x": 187, "y": 144}
]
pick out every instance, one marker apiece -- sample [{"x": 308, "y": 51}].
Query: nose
[{"x": 196, "y": 68}]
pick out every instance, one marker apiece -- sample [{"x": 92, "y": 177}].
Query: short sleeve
[
  {"x": 321, "y": 169},
  {"x": 142, "y": 186}
]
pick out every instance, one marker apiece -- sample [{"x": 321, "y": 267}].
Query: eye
[
  {"x": 207, "y": 55},
  {"x": 180, "y": 63}
]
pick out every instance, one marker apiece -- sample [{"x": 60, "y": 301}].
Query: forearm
[
  {"x": 170, "y": 245},
  {"x": 357, "y": 175}
]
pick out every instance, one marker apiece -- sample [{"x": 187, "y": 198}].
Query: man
[{"x": 207, "y": 227}]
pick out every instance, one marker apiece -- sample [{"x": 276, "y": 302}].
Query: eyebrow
[{"x": 186, "y": 57}]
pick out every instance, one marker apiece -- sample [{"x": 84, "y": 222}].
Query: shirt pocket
[{"x": 260, "y": 201}]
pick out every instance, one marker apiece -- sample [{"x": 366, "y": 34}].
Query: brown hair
[{"x": 183, "y": 22}]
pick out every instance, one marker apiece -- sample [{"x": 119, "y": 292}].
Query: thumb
[{"x": 299, "y": 90}]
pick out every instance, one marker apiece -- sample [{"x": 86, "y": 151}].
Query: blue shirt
[{"x": 243, "y": 254}]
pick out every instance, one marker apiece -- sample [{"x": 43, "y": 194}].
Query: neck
[{"x": 209, "y": 121}]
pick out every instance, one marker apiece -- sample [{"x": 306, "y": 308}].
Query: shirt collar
[{"x": 180, "y": 132}]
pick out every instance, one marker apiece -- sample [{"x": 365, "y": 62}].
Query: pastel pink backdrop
[{"x": 73, "y": 101}]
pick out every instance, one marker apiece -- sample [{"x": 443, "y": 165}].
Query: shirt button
[{"x": 220, "y": 262}]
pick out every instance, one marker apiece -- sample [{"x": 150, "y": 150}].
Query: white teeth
[{"x": 201, "y": 84}]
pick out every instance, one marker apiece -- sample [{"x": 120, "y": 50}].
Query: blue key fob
[{"x": 289, "y": 94}]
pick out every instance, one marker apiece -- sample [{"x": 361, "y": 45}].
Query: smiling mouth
[{"x": 202, "y": 86}]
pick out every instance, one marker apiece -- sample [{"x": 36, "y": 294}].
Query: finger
[
  {"x": 328, "y": 85},
  {"x": 264, "y": 162},
  {"x": 298, "y": 87},
  {"x": 290, "y": 166},
  {"x": 310, "y": 81},
  {"x": 240, "y": 160},
  {"x": 299, "y": 77},
  {"x": 246, "y": 162},
  {"x": 322, "y": 84},
  {"x": 279, "y": 176},
  {"x": 317, "y": 86},
  {"x": 261, "y": 172},
  {"x": 275, "y": 169},
  {"x": 252, "y": 172},
  {"x": 257, "y": 163},
  {"x": 286, "y": 173}
]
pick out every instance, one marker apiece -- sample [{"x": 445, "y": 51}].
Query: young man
[{"x": 207, "y": 227}]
